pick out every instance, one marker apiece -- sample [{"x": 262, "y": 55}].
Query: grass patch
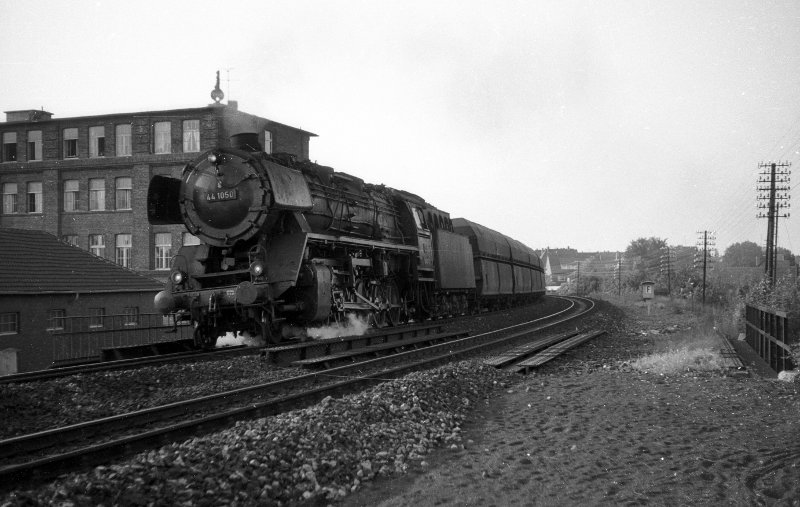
[{"x": 683, "y": 352}]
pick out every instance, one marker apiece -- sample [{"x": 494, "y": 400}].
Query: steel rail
[
  {"x": 122, "y": 364},
  {"x": 47, "y": 438},
  {"x": 432, "y": 356},
  {"x": 240, "y": 350}
]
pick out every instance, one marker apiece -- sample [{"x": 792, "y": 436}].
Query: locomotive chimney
[{"x": 246, "y": 141}]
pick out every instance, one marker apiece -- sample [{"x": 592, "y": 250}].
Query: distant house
[
  {"x": 562, "y": 265},
  {"x": 44, "y": 282},
  {"x": 554, "y": 274}
]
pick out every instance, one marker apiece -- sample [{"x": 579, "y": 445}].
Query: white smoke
[
  {"x": 235, "y": 340},
  {"x": 354, "y": 326}
]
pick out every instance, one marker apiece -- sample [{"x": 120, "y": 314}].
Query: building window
[
  {"x": 97, "y": 141},
  {"x": 96, "y": 317},
  {"x": 70, "y": 195},
  {"x": 35, "y": 197},
  {"x": 123, "y": 250},
  {"x": 97, "y": 194},
  {"x": 163, "y": 140},
  {"x": 70, "y": 239},
  {"x": 191, "y": 136},
  {"x": 123, "y": 196},
  {"x": 70, "y": 143},
  {"x": 9, "y": 323},
  {"x": 10, "y": 147},
  {"x": 35, "y": 145},
  {"x": 131, "y": 316},
  {"x": 56, "y": 319},
  {"x": 123, "y": 135},
  {"x": 9, "y": 198},
  {"x": 163, "y": 250},
  {"x": 97, "y": 244},
  {"x": 190, "y": 239},
  {"x": 267, "y": 141}
]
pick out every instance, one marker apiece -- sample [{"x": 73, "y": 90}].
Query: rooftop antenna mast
[{"x": 228, "y": 80}]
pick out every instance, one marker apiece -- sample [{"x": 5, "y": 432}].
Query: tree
[
  {"x": 645, "y": 257},
  {"x": 745, "y": 254},
  {"x": 646, "y": 247}
]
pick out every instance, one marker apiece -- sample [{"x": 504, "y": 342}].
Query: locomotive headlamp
[
  {"x": 257, "y": 268},
  {"x": 177, "y": 277}
]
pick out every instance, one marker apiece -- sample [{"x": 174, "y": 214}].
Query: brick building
[
  {"x": 46, "y": 285},
  {"x": 84, "y": 179}
]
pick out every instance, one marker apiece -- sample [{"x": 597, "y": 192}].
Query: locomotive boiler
[{"x": 286, "y": 243}]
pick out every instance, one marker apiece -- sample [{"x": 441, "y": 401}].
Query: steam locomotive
[{"x": 286, "y": 244}]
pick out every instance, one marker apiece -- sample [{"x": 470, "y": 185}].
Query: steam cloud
[
  {"x": 353, "y": 327},
  {"x": 234, "y": 340}
]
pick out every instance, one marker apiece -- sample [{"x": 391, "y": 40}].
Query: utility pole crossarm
[
  {"x": 773, "y": 187},
  {"x": 708, "y": 242}
]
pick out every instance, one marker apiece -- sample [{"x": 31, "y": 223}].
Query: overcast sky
[{"x": 559, "y": 123}]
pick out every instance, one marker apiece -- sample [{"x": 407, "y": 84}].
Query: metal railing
[
  {"x": 767, "y": 333},
  {"x": 84, "y": 337}
]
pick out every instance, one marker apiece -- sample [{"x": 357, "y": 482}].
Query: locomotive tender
[{"x": 286, "y": 244}]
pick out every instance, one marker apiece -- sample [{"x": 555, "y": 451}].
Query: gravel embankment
[
  {"x": 323, "y": 452},
  {"x": 29, "y": 407},
  {"x": 34, "y": 406},
  {"x": 319, "y": 454}
]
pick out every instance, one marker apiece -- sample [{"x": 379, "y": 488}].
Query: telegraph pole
[
  {"x": 707, "y": 241},
  {"x": 666, "y": 263},
  {"x": 705, "y": 260},
  {"x": 774, "y": 188}
]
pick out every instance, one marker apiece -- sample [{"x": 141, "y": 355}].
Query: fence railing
[
  {"x": 767, "y": 333},
  {"x": 78, "y": 338}
]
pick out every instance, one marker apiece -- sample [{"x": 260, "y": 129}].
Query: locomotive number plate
[{"x": 222, "y": 195}]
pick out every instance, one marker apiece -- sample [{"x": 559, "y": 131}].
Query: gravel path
[
  {"x": 589, "y": 430},
  {"x": 617, "y": 438}
]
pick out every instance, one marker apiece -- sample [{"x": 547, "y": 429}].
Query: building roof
[
  {"x": 18, "y": 117},
  {"x": 555, "y": 262},
  {"x": 35, "y": 262}
]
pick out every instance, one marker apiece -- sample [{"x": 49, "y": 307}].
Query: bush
[
  {"x": 782, "y": 295},
  {"x": 697, "y": 351}
]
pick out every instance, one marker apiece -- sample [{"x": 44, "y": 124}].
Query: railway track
[
  {"x": 43, "y": 455},
  {"x": 127, "y": 364},
  {"x": 277, "y": 354},
  {"x": 305, "y": 349}
]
